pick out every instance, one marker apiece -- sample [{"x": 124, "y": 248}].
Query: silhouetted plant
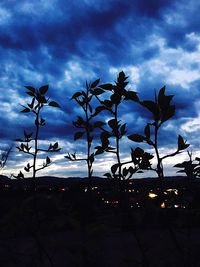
[
  {"x": 29, "y": 144},
  {"x": 4, "y": 157},
  {"x": 190, "y": 167},
  {"x": 86, "y": 125},
  {"x": 161, "y": 110},
  {"x": 116, "y": 130}
]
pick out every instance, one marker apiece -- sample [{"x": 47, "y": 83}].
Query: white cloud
[
  {"x": 75, "y": 75},
  {"x": 174, "y": 65},
  {"x": 192, "y": 125},
  {"x": 5, "y": 16},
  {"x": 37, "y": 8},
  {"x": 180, "y": 13}
]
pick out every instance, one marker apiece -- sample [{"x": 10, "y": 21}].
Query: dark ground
[{"x": 66, "y": 233}]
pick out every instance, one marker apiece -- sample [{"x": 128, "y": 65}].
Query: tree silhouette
[
  {"x": 116, "y": 130},
  {"x": 190, "y": 167},
  {"x": 29, "y": 144},
  {"x": 4, "y": 157},
  {"x": 86, "y": 125},
  {"x": 161, "y": 111}
]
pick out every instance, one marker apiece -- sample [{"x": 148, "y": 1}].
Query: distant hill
[
  {"x": 48, "y": 181},
  {"x": 4, "y": 179}
]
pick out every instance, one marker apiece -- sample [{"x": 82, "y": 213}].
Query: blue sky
[{"x": 64, "y": 43}]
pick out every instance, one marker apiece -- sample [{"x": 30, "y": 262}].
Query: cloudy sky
[{"x": 63, "y": 43}]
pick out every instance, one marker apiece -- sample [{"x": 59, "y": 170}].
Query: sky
[{"x": 63, "y": 43}]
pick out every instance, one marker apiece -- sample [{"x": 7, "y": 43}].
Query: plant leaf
[
  {"x": 54, "y": 104},
  {"x": 181, "y": 143},
  {"x": 105, "y": 139},
  {"x": 123, "y": 129},
  {"x": 30, "y": 93},
  {"x": 98, "y": 110},
  {"x": 43, "y": 89},
  {"x": 91, "y": 158},
  {"x": 26, "y": 110},
  {"x": 131, "y": 95},
  {"x": 106, "y": 86},
  {"x": 55, "y": 146},
  {"x": 95, "y": 83},
  {"x": 147, "y": 131},
  {"x": 136, "y": 138},
  {"x": 77, "y": 94},
  {"x": 78, "y": 135},
  {"x": 179, "y": 165},
  {"x": 48, "y": 161},
  {"x": 113, "y": 124},
  {"x": 30, "y": 88},
  {"x": 151, "y": 106},
  {"x": 167, "y": 114},
  {"x": 108, "y": 175},
  {"x": 114, "y": 168},
  {"x": 97, "y": 91}
]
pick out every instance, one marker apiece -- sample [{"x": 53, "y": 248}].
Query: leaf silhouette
[
  {"x": 107, "y": 86},
  {"x": 151, "y": 106},
  {"x": 131, "y": 95},
  {"x": 114, "y": 168},
  {"x": 168, "y": 113},
  {"x": 97, "y": 91},
  {"x": 78, "y": 135},
  {"x": 54, "y": 104},
  {"x": 108, "y": 175},
  {"x": 95, "y": 83},
  {"x": 136, "y": 138},
  {"x": 26, "y": 110},
  {"x": 147, "y": 131},
  {"x": 30, "y": 88},
  {"x": 77, "y": 94},
  {"x": 43, "y": 89},
  {"x": 48, "y": 161},
  {"x": 181, "y": 143}
]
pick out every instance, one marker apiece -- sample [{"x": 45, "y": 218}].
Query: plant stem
[
  {"x": 36, "y": 147},
  {"x": 118, "y": 144},
  {"x": 159, "y": 161},
  {"x": 89, "y": 165}
]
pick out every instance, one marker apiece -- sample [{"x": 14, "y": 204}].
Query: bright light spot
[
  {"x": 163, "y": 205},
  {"x": 152, "y": 195},
  {"x": 173, "y": 190}
]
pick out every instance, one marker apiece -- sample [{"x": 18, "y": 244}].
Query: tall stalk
[
  {"x": 89, "y": 137},
  {"x": 29, "y": 143},
  {"x": 162, "y": 110},
  {"x": 86, "y": 125},
  {"x": 30, "y": 146},
  {"x": 115, "y": 131},
  {"x": 36, "y": 144}
]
